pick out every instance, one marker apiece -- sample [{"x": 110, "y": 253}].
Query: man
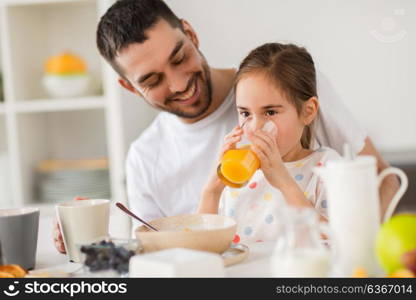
[{"x": 157, "y": 58}]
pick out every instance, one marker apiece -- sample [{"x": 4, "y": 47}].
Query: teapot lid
[{"x": 361, "y": 161}]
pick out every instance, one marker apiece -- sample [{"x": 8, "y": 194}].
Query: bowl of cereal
[{"x": 205, "y": 232}]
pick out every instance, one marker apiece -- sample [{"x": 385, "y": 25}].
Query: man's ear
[
  {"x": 310, "y": 110},
  {"x": 126, "y": 84},
  {"x": 190, "y": 32}
]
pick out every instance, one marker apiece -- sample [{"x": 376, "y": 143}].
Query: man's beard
[{"x": 205, "y": 97}]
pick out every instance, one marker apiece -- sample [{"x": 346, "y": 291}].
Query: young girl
[{"x": 275, "y": 83}]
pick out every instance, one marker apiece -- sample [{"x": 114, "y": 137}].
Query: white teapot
[{"x": 352, "y": 189}]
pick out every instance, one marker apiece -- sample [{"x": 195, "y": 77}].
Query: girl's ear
[
  {"x": 310, "y": 110},
  {"x": 190, "y": 32}
]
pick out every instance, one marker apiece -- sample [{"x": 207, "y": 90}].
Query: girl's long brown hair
[{"x": 291, "y": 69}]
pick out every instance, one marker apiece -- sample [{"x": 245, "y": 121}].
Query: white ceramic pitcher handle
[{"x": 396, "y": 198}]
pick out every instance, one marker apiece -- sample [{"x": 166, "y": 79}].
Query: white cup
[{"x": 82, "y": 222}]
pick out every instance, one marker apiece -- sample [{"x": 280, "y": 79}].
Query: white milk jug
[
  {"x": 352, "y": 187},
  {"x": 299, "y": 250}
]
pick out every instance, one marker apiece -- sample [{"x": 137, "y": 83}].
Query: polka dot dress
[{"x": 258, "y": 206}]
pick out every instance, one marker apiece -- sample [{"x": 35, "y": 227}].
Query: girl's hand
[
  {"x": 265, "y": 146},
  {"x": 214, "y": 184},
  {"x": 211, "y": 193}
]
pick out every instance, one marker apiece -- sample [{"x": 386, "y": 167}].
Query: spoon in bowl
[{"x": 127, "y": 211}]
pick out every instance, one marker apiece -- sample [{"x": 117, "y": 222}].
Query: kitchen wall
[{"x": 366, "y": 47}]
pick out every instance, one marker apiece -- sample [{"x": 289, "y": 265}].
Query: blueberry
[
  {"x": 94, "y": 266},
  {"x": 89, "y": 260},
  {"x": 123, "y": 268},
  {"x": 105, "y": 265},
  {"x": 123, "y": 253},
  {"x": 87, "y": 250},
  {"x": 113, "y": 263}
]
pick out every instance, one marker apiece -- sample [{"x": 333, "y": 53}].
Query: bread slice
[
  {"x": 6, "y": 275},
  {"x": 15, "y": 270}
]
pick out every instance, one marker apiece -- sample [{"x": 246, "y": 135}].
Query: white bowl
[
  {"x": 205, "y": 232},
  {"x": 65, "y": 86}
]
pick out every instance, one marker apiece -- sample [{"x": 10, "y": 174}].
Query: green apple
[{"x": 396, "y": 237}]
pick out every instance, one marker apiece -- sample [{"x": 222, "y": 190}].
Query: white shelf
[
  {"x": 5, "y": 183},
  {"x": 67, "y": 135},
  {"x": 3, "y": 134},
  {"x": 33, "y": 2},
  {"x": 34, "y": 127},
  {"x": 50, "y": 28},
  {"x": 47, "y": 105}
]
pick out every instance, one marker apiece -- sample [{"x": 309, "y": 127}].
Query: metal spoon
[{"x": 127, "y": 211}]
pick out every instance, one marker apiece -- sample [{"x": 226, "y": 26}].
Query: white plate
[
  {"x": 60, "y": 271},
  {"x": 235, "y": 254}
]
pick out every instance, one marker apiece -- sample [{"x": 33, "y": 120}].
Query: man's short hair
[{"x": 127, "y": 21}]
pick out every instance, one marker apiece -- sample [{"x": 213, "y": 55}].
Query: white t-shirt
[
  {"x": 258, "y": 206},
  {"x": 168, "y": 165}
]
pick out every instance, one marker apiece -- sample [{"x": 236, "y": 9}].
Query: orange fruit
[
  {"x": 360, "y": 272},
  {"x": 402, "y": 273},
  {"x": 65, "y": 64}
]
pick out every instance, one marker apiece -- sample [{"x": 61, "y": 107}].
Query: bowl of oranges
[{"x": 66, "y": 76}]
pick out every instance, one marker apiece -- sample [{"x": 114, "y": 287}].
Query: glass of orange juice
[{"x": 238, "y": 166}]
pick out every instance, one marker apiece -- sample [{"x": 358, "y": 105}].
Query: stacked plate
[
  {"x": 64, "y": 181},
  {"x": 1, "y": 88}
]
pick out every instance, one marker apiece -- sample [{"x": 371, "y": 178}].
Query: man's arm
[{"x": 390, "y": 184}]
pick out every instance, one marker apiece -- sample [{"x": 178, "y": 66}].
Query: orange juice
[{"x": 237, "y": 166}]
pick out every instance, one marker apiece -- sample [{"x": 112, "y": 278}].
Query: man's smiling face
[{"x": 168, "y": 70}]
